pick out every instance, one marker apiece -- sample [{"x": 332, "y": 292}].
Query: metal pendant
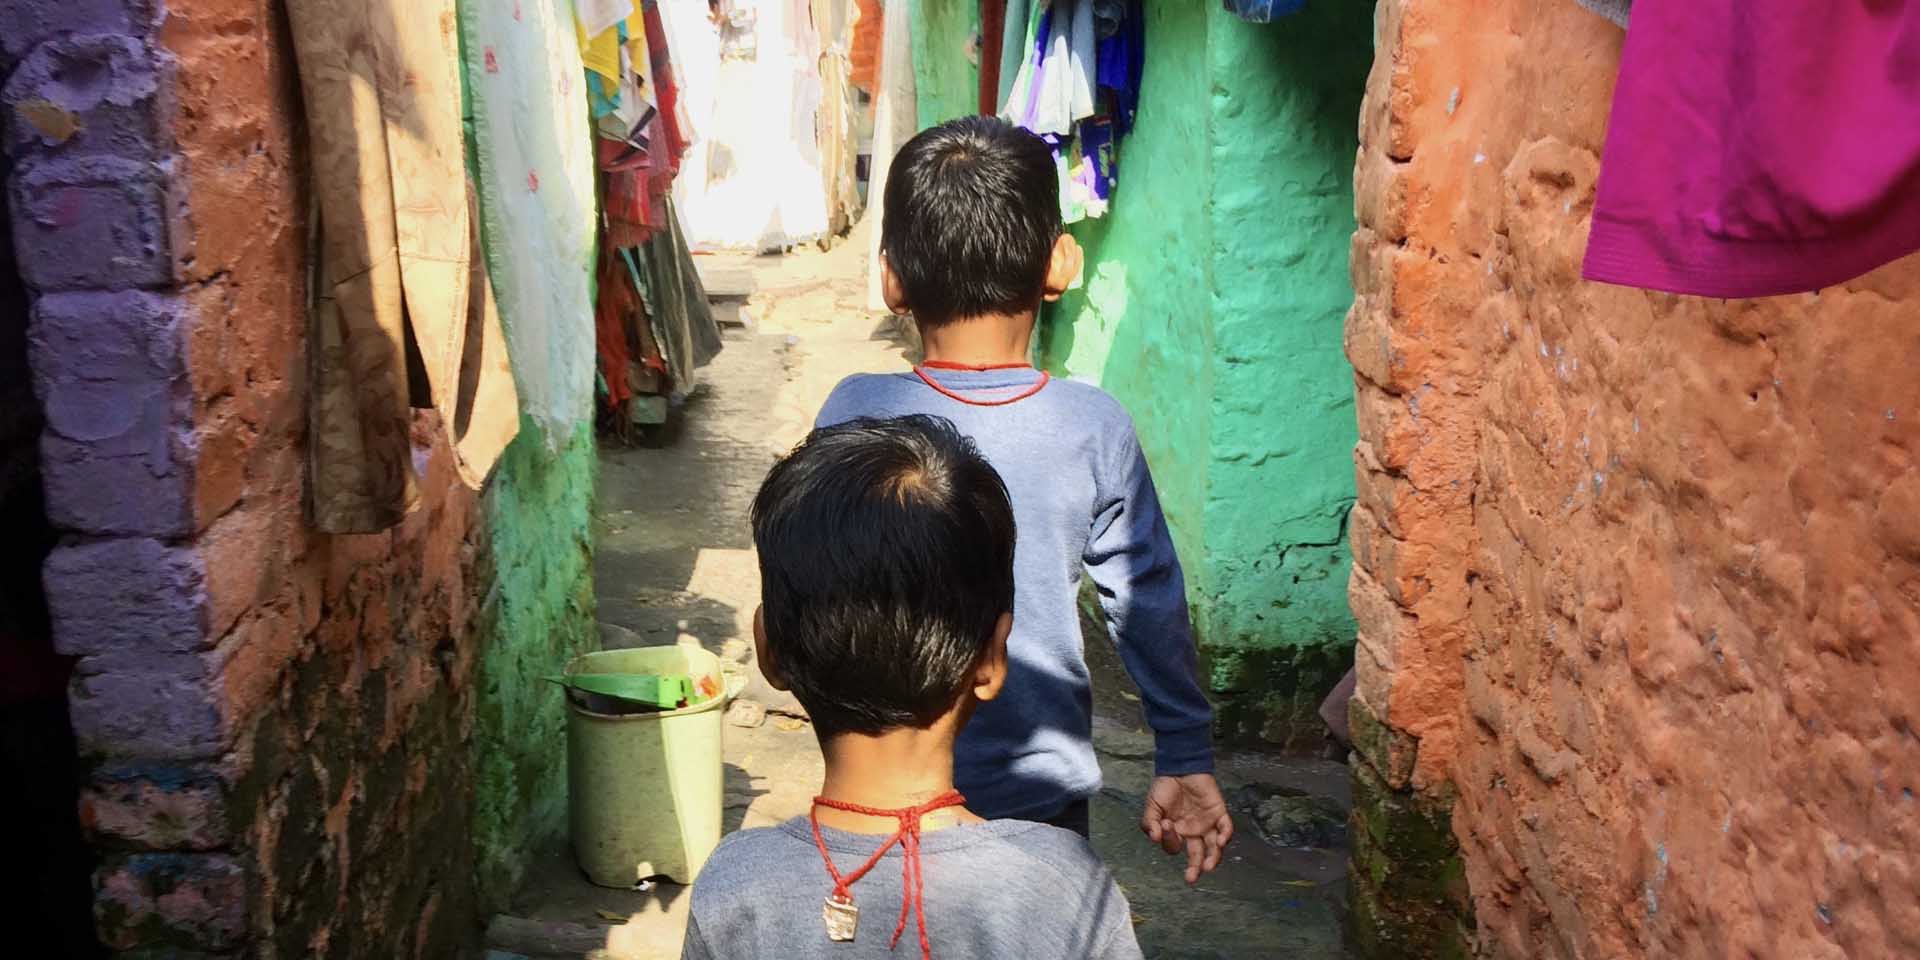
[{"x": 842, "y": 917}]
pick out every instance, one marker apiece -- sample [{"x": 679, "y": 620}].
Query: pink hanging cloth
[{"x": 1760, "y": 147}]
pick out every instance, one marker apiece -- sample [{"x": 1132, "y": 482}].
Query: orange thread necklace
[
  {"x": 841, "y": 916},
  {"x": 921, "y": 372}
]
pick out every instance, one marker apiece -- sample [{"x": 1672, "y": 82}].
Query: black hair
[
  {"x": 972, "y": 213},
  {"x": 886, "y": 560}
]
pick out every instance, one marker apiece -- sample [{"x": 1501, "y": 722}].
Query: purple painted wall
[{"x": 37, "y": 757}]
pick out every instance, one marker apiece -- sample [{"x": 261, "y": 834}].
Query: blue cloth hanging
[{"x": 1263, "y": 11}]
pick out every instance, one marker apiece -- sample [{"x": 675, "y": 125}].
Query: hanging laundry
[
  {"x": 1614, "y": 10},
  {"x": 835, "y": 122},
  {"x": 598, "y": 16},
  {"x": 1727, "y": 174},
  {"x": 694, "y": 44},
  {"x": 666, "y": 89},
  {"x": 682, "y": 318},
  {"x": 1263, "y": 11},
  {"x": 764, "y": 187},
  {"x": 1123, "y": 57},
  {"x": 894, "y": 123},
  {"x": 615, "y": 303},
  {"x": 1054, "y": 89},
  {"x": 396, "y": 291},
  {"x": 534, "y": 148},
  {"x": 1078, "y": 88},
  {"x": 605, "y": 60}
]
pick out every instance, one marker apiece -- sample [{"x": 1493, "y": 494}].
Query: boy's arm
[{"x": 1131, "y": 560}]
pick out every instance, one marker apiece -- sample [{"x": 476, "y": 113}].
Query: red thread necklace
[
  {"x": 841, "y": 915},
  {"x": 921, "y": 372}
]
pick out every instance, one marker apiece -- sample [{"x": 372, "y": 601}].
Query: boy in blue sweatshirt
[{"x": 971, "y": 244}]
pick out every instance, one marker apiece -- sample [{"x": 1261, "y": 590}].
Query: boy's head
[
  {"x": 886, "y": 563},
  {"x": 972, "y": 223}
]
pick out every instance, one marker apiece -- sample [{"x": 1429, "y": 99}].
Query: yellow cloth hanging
[{"x": 601, "y": 54}]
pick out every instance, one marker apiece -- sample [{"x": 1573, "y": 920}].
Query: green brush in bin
[{"x": 657, "y": 691}]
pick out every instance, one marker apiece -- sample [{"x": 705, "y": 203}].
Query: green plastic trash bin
[{"x": 644, "y": 789}]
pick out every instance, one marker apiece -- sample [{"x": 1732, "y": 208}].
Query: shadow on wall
[{"x": 38, "y": 759}]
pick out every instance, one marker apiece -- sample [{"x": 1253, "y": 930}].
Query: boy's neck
[
  {"x": 894, "y": 770},
  {"x": 986, "y": 340}
]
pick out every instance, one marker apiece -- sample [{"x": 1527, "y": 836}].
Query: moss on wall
[
  {"x": 946, "y": 63},
  {"x": 538, "y": 613}
]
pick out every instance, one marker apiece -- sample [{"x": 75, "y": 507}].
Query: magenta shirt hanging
[{"x": 1760, "y": 147}]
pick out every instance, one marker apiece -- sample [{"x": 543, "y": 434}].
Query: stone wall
[
  {"x": 1637, "y": 575},
  {"x": 280, "y": 724}
]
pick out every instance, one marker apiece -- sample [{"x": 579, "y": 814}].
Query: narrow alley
[
  {"x": 674, "y": 560},
  {"x": 1514, "y": 424}
]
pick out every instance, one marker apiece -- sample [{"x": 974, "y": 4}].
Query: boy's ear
[
  {"x": 991, "y": 673},
  {"x": 1063, "y": 267},
  {"x": 769, "y": 668},
  {"x": 891, "y": 288}
]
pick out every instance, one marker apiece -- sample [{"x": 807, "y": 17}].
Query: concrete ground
[{"x": 674, "y": 559}]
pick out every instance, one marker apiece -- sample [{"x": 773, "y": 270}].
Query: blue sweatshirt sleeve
[{"x": 1131, "y": 559}]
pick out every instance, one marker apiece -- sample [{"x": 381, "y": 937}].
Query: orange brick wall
[
  {"x": 276, "y": 723},
  {"x": 1638, "y": 576}
]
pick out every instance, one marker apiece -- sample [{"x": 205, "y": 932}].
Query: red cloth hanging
[
  {"x": 666, "y": 90},
  {"x": 617, "y": 300}
]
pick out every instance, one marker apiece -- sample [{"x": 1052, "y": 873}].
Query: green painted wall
[
  {"x": 1285, "y": 102},
  {"x": 1213, "y": 307},
  {"x": 537, "y": 614},
  {"x": 946, "y": 69}
]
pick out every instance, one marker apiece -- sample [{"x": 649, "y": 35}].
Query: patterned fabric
[
  {"x": 1078, "y": 88},
  {"x": 535, "y": 152},
  {"x": 381, "y": 83}
]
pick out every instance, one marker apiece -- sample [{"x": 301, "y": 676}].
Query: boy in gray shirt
[{"x": 886, "y": 560}]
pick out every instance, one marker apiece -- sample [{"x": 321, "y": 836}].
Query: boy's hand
[{"x": 1188, "y": 813}]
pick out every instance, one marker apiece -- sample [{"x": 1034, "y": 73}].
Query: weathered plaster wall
[
  {"x": 1274, "y": 615},
  {"x": 946, "y": 64},
  {"x": 1638, "y": 575},
  {"x": 281, "y": 725},
  {"x": 1212, "y": 305}
]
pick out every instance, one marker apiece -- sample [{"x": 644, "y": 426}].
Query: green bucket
[{"x": 644, "y": 789}]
